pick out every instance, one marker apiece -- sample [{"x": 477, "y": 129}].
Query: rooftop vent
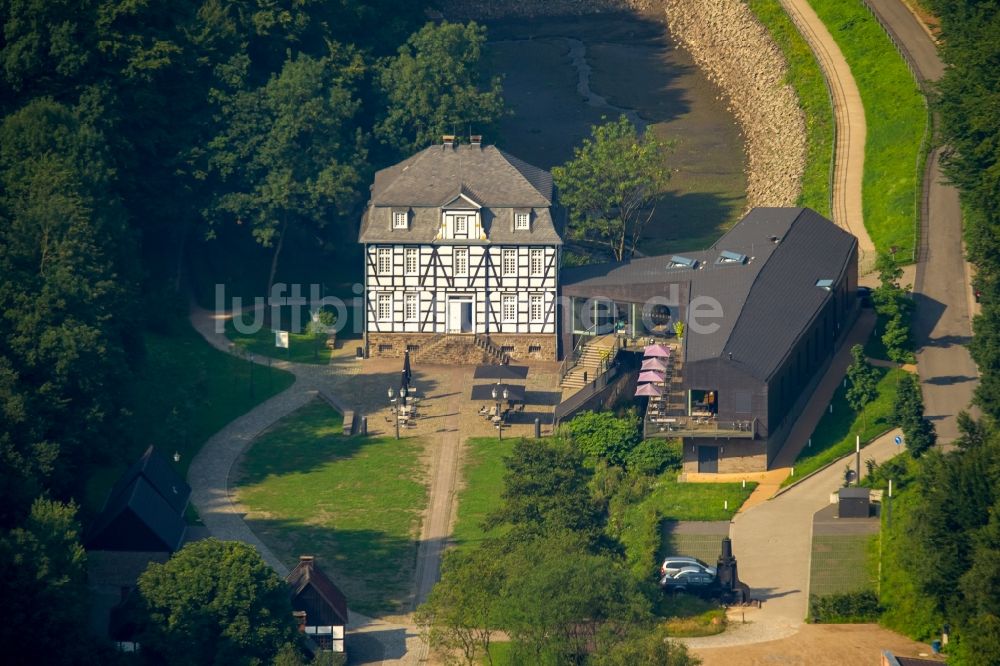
[
  {"x": 727, "y": 257},
  {"x": 476, "y": 140},
  {"x": 678, "y": 261},
  {"x": 824, "y": 284},
  {"x": 774, "y": 239}
]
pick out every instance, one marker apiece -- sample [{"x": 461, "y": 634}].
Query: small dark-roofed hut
[
  {"x": 161, "y": 475},
  {"x": 137, "y": 518},
  {"x": 319, "y": 605}
]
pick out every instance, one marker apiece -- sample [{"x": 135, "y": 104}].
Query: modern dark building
[
  {"x": 318, "y": 604},
  {"x": 763, "y": 308}
]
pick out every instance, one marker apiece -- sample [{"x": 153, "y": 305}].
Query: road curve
[
  {"x": 849, "y": 114},
  {"x": 942, "y": 324}
]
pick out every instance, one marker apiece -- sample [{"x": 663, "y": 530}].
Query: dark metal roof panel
[
  {"x": 159, "y": 473},
  {"x": 307, "y": 574}
]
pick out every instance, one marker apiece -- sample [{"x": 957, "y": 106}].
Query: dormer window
[
  {"x": 461, "y": 224},
  {"x": 522, "y": 220},
  {"x": 400, "y": 219}
]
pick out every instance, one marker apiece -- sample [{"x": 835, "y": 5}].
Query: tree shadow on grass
[{"x": 373, "y": 569}]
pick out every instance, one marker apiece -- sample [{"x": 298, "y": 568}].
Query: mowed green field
[
  {"x": 841, "y": 563},
  {"x": 353, "y": 502}
]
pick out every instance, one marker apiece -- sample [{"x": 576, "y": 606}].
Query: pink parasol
[
  {"x": 650, "y": 376},
  {"x": 647, "y": 390},
  {"x": 654, "y": 364},
  {"x": 656, "y": 351}
]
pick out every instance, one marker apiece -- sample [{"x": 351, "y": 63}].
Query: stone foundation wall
[
  {"x": 393, "y": 345},
  {"x": 734, "y": 456},
  {"x": 459, "y": 349},
  {"x": 534, "y": 347}
]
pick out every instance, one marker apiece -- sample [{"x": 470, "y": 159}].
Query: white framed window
[
  {"x": 384, "y": 300},
  {"x": 411, "y": 256},
  {"x": 536, "y": 263},
  {"x": 384, "y": 260},
  {"x": 522, "y": 221},
  {"x": 411, "y": 306},
  {"x": 536, "y": 307},
  {"x": 461, "y": 224},
  {"x": 400, "y": 219},
  {"x": 508, "y": 262},
  {"x": 508, "y": 308},
  {"x": 461, "y": 261}
]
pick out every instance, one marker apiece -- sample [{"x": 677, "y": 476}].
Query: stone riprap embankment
[{"x": 735, "y": 52}]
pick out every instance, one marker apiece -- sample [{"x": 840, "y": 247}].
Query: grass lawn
[
  {"x": 669, "y": 500},
  {"x": 302, "y": 347},
  {"x": 896, "y": 118},
  {"x": 835, "y": 434},
  {"x": 805, "y": 76},
  {"x": 841, "y": 563},
  {"x": 354, "y": 502},
  {"x": 688, "y": 616},
  {"x": 482, "y": 476},
  {"x": 185, "y": 392}
]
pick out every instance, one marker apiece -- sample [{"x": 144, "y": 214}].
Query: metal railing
[
  {"x": 694, "y": 427},
  {"x": 573, "y": 357},
  {"x": 575, "y": 402},
  {"x": 492, "y": 349}
]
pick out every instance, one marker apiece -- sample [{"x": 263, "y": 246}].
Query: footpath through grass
[
  {"x": 806, "y": 77},
  {"x": 835, "y": 434},
  {"x": 354, "y": 502},
  {"x": 896, "y": 119},
  {"x": 185, "y": 392}
]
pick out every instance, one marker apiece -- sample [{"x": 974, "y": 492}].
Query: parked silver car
[
  {"x": 673, "y": 564},
  {"x": 687, "y": 578}
]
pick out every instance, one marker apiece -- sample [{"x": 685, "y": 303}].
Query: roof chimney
[
  {"x": 307, "y": 559},
  {"x": 448, "y": 140},
  {"x": 476, "y": 140}
]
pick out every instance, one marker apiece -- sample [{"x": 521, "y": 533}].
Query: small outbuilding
[
  {"x": 318, "y": 605},
  {"x": 854, "y": 502}
]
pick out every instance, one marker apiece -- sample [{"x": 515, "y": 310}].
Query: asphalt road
[{"x": 942, "y": 325}]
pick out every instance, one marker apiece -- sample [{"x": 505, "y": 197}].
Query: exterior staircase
[
  {"x": 454, "y": 349},
  {"x": 590, "y": 364}
]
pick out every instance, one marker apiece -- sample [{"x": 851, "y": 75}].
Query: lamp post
[
  {"x": 177, "y": 456},
  {"x": 251, "y": 374},
  {"x": 392, "y": 400}
]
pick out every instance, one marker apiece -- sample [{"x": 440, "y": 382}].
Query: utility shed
[
  {"x": 318, "y": 604},
  {"x": 854, "y": 502}
]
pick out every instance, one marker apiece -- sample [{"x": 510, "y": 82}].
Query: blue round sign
[{"x": 898, "y": 440}]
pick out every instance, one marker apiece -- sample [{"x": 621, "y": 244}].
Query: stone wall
[
  {"x": 735, "y": 51},
  {"x": 459, "y": 349}
]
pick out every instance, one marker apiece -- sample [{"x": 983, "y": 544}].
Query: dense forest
[
  {"x": 148, "y": 149},
  {"x": 940, "y": 568}
]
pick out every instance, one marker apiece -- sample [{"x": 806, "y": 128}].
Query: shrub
[
  {"x": 652, "y": 456},
  {"x": 605, "y": 436},
  {"x": 847, "y": 608}
]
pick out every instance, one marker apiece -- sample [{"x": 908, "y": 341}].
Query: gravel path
[{"x": 849, "y": 113}]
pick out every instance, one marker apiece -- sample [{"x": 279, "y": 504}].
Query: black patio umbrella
[
  {"x": 407, "y": 372},
  {"x": 506, "y": 372}
]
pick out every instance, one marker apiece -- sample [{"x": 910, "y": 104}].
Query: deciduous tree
[
  {"x": 215, "y": 602},
  {"x": 862, "y": 383},
  {"x": 611, "y": 185}
]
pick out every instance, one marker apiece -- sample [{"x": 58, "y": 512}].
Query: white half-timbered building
[{"x": 462, "y": 240}]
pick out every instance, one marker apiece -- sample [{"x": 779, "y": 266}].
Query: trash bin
[
  {"x": 936, "y": 647},
  {"x": 359, "y": 353}
]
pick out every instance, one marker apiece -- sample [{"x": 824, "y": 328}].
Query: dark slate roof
[
  {"x": 161, "y": 475},
  {"x": 137, "y": 518},
  {"x": 494, "y": 179},
  {"x": 307, "y": 574},
  {"x": 766, "y": 301}
]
